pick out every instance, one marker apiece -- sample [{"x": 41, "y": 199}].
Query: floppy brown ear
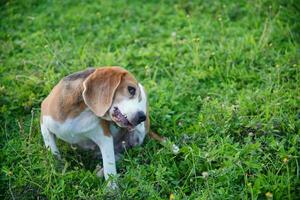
[{"x": 100, "y": 87}]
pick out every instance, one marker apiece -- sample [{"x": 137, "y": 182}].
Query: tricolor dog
[{"x": 99, "y": 107}]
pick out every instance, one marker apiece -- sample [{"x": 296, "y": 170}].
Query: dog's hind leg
[{"x": 49, "y": 140}]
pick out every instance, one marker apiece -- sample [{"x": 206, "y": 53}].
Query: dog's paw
[
  {"x": 112, "y": 185},
  {"x": 112, "y": 190}
]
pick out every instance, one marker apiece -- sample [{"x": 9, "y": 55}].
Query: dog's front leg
[
  {"x": 106, "y": 145},
  {"x": 49, "y": 140}
]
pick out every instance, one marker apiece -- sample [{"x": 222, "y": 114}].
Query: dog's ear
[{"x": 100, "y": 87}]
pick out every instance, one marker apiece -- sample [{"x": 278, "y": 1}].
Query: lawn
[{"x": 223, "y": 84}]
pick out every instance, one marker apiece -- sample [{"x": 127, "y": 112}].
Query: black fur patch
[{"x": 79, "y": 75}]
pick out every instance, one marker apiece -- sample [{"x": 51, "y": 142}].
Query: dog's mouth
[{"x": 121, "y": 119}]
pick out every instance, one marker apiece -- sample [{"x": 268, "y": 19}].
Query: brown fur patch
[
  {"x": 156, "y": 137},
  {"x": 100, "y": 88},
  {"x": 147, "y": 122},
  {"x": 105, "y": 125},
  {"x": 64, "y": 101},
  {"x": 151, "y": 134}
]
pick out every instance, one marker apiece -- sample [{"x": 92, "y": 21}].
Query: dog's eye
[{"x": 131, "y": 90}]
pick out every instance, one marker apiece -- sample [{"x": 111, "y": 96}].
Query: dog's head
[{"x": 114, "y": 94}]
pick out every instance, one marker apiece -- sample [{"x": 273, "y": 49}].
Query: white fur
[
  {"x": 84, "y": 127},
  {"x": 73, "y": 130},
  {"x": 139, "y": 134},
  {"x": 49, "y": 140},
  {"x": 130, "y": 107}
]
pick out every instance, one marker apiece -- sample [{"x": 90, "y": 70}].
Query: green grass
[{"x": 222, "y": 79}]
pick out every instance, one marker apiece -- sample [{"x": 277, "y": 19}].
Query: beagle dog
[{"x": 99, "y": 107}]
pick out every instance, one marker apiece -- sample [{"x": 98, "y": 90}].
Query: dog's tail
[
  {"x": 157, "y": 137},
  {"x": 163, "y": 141}
]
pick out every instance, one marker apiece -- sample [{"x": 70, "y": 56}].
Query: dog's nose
[{"x": 140, "y": 117}]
